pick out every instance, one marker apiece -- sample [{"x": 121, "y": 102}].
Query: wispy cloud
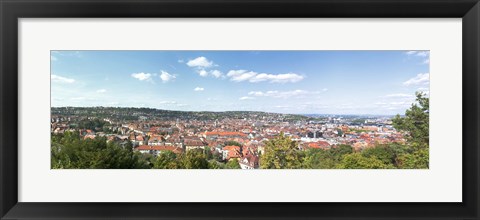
[
  {"x": 142, "y": 76},
  {"x": 394, "y": 105},
  {"x": 419, "y": 79},
  {"x": 420, "y": 53},
  {"x": 81, "y": 98},
  {"x": 61, "y": 79},
  {"x": 101, "y": 91},
  {"x": 282, "y": 94},
  {"x": 424, "y": 90},
  {"x": 216, "y": 73},
  {"x": 198, "y": 89},
  {"x": 168, "y": 102},
  {"x": 399, "y": 95},
  {"x": 246, "y": 98},
  {"x": 251, "y": 76}
]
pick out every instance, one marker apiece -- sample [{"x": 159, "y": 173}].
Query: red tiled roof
[
  {"x": 319, "y": 144},
  {"x": 155, "y": 138},
  {"x": 195, "y": 143},
  {"x": 233, "y": 151}
]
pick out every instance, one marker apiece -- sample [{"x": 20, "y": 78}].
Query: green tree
[
  {"x": 357, "y": 161},
  {"x": 232, "y": 143},
  {"x": 416, "y": 160},
  {"x": 166, "y": 160},
  {"x": 208, "y": 153},
  {"x": 381, "y": 152},
  {"x": 416, "y": 125},
  {"x": 213, "y": 164},
  {"x": 339, "y": 151},
  {"x": 281, "y": 153},
  {"x": 416, "y": 121},
  {"x": 69, "y": 151},
  {"x": 318, "y": 159},
  {"x": 232, "y": 164},
  {"x": 193, "y": 159}
]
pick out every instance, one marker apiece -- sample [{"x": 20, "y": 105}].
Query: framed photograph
[{"x": 239, "y": 109}]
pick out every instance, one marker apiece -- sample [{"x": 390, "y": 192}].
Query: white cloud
[
  {"x": 246, "y": 98},
  {"x": 202, "y": 73},
  {"x": 61, "y": 79},
  {"x": 279, "y": 78},
  {"x": 166, "y": 77},
  {"x": 53, "y": 58},
  {"x": 198, "y": 89},
  {"x": 216, "y": 73},
  {"x": 205, "y": 73},
  {"x": 101, "y": 91},
  {"x": 201, "y": 62},
  {"x": 181, "y": 61},
  {"x": 324, "y": 89},
  {"x": 284, "y": 94},
  {"x": 420, "y": 79},
  {"x": 142, "y": 76},
  {"x": 240, "y": 75},
  {"x": 257, "y": 93},
  {"x": 244, "y": 75}
]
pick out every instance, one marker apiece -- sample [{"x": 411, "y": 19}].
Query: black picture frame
[{"x": 12, "y": 10}]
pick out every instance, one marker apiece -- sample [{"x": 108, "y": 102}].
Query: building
[
  {"x": 249, "y": 162},
  {"x": 230, "y": 152}
]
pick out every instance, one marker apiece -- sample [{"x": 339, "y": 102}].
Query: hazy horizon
[{"x": 304, "y": 114}]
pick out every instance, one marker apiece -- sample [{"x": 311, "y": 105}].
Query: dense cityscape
[{"x": 237, "y": 139}]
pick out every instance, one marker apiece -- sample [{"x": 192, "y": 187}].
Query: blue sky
[{"x": 300, "y": 82}]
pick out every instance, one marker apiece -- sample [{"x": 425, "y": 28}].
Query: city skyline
[{"x": 292, "y": 82}]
